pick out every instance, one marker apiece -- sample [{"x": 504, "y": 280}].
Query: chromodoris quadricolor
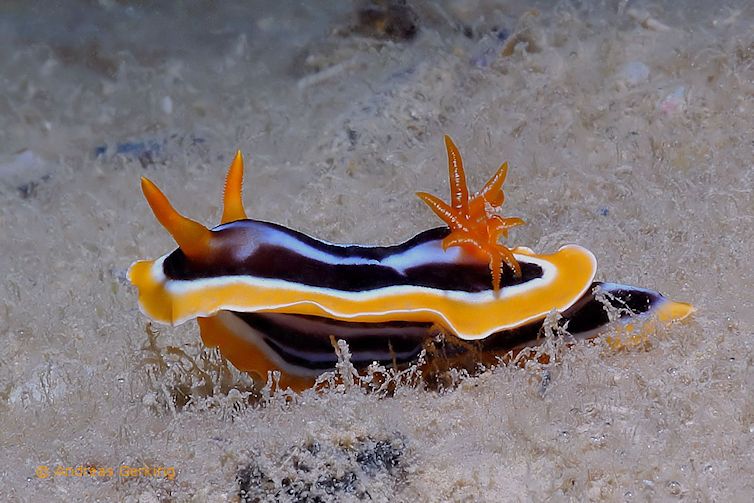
[{"x": 273, "y": 299}]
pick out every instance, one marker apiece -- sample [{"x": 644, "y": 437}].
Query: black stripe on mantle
[{"x": 248, "y": 247}]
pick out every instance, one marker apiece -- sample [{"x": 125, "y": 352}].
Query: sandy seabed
[{"x": 628, "y": 129}]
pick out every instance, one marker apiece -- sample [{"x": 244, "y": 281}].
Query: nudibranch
[{"x": 274, "y": 299}]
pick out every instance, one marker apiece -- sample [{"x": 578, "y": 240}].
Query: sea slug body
[{"x": 273, "y": 299}]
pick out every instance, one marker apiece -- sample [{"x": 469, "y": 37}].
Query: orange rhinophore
[{"x": 232, "y": 200}]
